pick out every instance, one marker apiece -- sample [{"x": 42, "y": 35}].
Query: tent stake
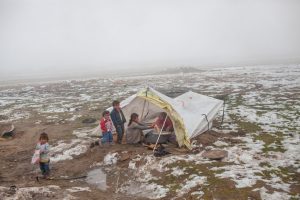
[{"x": 207, "y": 121}]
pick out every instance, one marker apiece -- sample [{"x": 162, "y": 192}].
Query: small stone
[
  {"x": 92, "y": 145},
  {"x": 255, "y": 195},
  {"x": 215, "y": 154},
  {"x": 89, "y": 120},
  {"x": 124, "y": 157}
]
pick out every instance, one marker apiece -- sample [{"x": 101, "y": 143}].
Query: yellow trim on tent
[{"x": 178, "y": 124}]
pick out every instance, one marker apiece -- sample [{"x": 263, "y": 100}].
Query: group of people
[
  {"x": 115, "y": 118},
  {"x": 134, "y": 130}
]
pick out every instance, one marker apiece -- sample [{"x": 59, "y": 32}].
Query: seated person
[
  {"x": 134, "y": 132},
  {"x": 159, "y": 123}
]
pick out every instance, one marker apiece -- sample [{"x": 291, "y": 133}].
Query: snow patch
[
  {"x": 150, "y": 191},
  {"x": 220, "y": 143},
  {"x": 28, "y": 192},
  {"x": 66, "y": 151},
  {"x": 265, "y": 195},
  {"x": 176, "y": 171},
  {"x": 194, "y": 180},
  {"x": 110, "y": 159},
  {"x": 79, "y": 189}
]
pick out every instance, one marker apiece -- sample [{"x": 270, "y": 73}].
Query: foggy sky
[{"x": 58, "y": 36}]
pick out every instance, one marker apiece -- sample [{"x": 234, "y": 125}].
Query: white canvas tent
[{"x": 191, "y": 113}]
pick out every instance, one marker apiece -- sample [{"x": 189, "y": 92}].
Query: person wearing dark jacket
[{"x": 118, "y": 120}]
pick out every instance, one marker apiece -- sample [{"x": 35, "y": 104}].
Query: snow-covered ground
[
  {"x": 43, "y": 192},
  {"x": 261, "y": 102},
  {"x": 67, "y": 150}
]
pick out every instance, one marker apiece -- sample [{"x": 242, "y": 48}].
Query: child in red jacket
[{"x": 106, "y": 128}]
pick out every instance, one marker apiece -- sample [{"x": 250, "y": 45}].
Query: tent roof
[{"x": 194, "y": 109}]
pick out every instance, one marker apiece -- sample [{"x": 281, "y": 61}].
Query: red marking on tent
[{"x": 182, "y": 102}]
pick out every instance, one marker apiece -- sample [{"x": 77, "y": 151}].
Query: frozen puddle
[{"x": 98, "y": 178}]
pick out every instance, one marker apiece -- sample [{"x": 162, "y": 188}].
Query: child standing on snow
[
  {"x": 106, "y": 128},
  {"x": 43, "y": 148}
]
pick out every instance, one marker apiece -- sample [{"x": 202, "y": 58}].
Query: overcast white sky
[{"x": 55, "y": 36}]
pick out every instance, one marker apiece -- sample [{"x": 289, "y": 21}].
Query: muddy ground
[
  {"x": 16, "y": 169},
  {"x": 260, "y": 133}
]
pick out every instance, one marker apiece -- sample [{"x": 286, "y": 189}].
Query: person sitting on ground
[
  {"x": 118, "y": 120},
  {"x": 134, "y": 132},
  {"x": 159, "y": 123},
  {"x": 106, "y": 128},
  {"x": 44, "y": 148}
]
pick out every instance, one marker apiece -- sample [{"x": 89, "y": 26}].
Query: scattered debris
[
  {"x": 110, "y": 158},
  {"x": 160, "y": 151},
  {"x": 7, "y": 130}
]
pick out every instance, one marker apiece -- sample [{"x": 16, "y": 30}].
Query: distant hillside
[{"x": 179, "y": 70}]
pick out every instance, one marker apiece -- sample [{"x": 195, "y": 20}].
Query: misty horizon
[{"x": 58, "y": 38}]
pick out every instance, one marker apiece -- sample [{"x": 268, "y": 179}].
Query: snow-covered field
[{"x": 262, "y": 106}]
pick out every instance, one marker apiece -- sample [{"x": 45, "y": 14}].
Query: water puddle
[{"x": 97, "y": 177}]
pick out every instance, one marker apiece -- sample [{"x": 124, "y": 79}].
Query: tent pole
[
  {"x": 143, "y": 109},
  {"x": 160, "y": 133},
  {"x": 144, "y": 103},
  {"x": 222, "y": 114}
]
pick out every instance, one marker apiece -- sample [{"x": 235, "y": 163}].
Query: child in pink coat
[{"x": 106, "y": 128}]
